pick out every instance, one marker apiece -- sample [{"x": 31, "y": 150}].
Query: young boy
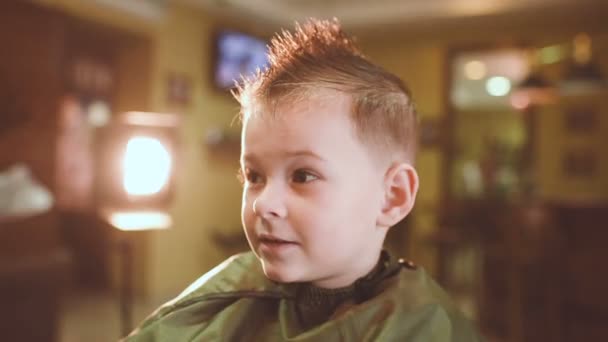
[{"x": 328, "y": 146}]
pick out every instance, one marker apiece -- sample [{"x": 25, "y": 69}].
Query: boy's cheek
[{"x": 246, "y": 201}]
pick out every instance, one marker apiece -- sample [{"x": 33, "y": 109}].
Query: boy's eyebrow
[
  {"x": 290, "y": 154},
  {"x": 305, "y": 153}
]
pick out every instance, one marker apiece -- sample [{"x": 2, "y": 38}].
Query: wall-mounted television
[{"x": 236, "y": 53}]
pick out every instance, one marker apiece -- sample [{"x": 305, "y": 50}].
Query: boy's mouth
[
  {"x": 271, "y": 239},
  {"x": 272, "y": 246}
]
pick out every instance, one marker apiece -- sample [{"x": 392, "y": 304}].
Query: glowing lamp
[
  {"x": 138, "y": 160},
  {"x": 146, "y": 166}
]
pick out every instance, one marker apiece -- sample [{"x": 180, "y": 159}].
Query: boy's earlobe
[{"x": 401, "y": 187}]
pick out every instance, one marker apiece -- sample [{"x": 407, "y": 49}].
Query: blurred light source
[
  {"x": 475, "y": 70},
  {"x": 141, "y": 220},
  {"x": 98, "y": 114},
  {"x": 498, "y": 86},
  {"x": 551, "y": 54},
  {"x": 520, "y": 101},
  {"x": 147, "y": 166},
  {"x": 146, "y": 119},
  {"x": 582, "y": 48}
]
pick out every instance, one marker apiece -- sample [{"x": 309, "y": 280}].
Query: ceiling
[{"x": 370, "y": 14}]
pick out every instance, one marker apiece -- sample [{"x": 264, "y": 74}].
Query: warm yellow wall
[{"x": 208, "y": 194}]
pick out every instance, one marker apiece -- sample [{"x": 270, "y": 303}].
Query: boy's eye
[
  {"x": 252, "y": 176},
  {"x": 302, "y": 176}
]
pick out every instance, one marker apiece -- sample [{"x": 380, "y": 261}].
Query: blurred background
[{"x": 118, "y": 154}]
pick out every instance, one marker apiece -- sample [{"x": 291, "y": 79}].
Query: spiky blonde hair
[{"x": 319, "y": 56}]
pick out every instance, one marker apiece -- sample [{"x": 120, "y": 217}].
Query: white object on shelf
[{"x": 22, "y": 195}]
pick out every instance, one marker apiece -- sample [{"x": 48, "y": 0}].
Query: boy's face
[{"x": 312, "y": 194}]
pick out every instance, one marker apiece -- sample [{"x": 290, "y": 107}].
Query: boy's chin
[{"x": 278, "y": 275}]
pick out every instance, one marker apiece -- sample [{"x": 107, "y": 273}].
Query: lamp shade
[
  {"x": 136, "y": 169},
  {"x": 533, "y": 90}
]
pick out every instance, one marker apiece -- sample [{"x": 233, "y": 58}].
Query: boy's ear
[{"x": 400, "y": 188}]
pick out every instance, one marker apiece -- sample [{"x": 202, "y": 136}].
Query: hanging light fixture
[
  {"x": 582, "y": 75},
  {"x": 535, "y": 89}
]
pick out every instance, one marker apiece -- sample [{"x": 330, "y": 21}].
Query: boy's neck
[{"x": 349, "y": 279}]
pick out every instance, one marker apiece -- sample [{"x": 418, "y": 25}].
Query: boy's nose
[{"x": 270, "y": 203}]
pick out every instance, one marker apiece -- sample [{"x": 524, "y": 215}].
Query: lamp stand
[{"x": 125, "y": 249}]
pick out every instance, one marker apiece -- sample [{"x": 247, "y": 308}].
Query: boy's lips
[
  {"x": 272, "y": 239},
  {"x": 273, "y": 245}
]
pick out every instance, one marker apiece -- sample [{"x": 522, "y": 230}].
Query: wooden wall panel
[{"x": 31, "y": 42}]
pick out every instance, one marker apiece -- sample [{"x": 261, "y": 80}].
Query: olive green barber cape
[{"x": 236, "y": 302}]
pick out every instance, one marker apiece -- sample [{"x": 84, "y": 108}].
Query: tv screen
[{"x": 237, "y": 54}]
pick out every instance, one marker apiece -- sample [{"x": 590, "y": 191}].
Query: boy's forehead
[{"x": 287, "y": 107}]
